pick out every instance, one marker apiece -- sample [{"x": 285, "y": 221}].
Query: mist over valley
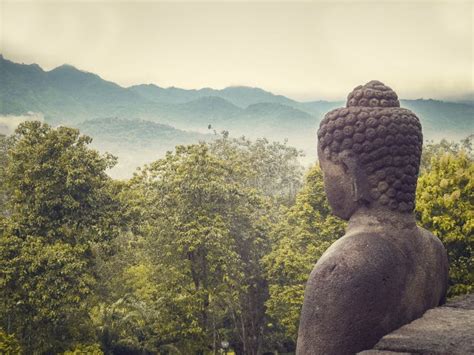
[{"x": 140, "y": 123}]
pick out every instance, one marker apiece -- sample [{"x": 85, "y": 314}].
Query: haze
[{"x": 305, "y": 50}]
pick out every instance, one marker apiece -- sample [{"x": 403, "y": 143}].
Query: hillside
[
  {"x": 136, "y": 142},
  {"x": 63, "y": 95},
  {"x": 69, "y": 96},
  {"x": 443, "y": 119},
  {"x": 241, "y": 96}
]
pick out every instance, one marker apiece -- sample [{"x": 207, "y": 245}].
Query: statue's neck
[{"x": 378, "y": 220}]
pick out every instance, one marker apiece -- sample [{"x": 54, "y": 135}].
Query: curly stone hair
[{"x": 384, "y": 138}]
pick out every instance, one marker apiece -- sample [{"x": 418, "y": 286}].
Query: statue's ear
[{"x": 360, "y": 184}]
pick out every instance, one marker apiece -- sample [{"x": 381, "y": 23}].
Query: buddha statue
[{"x": 385, "y": 271}]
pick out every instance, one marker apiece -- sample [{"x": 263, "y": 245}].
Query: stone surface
[
  {"x": 443, "y": 330},
  {"x": 385, "y": 272},
  {"x": 382, "y": 352},
  {"x": 464, "y": 302}
]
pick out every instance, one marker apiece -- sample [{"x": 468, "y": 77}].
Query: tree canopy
[
  {"x": 212, "y": 243},
  {"x": 57, "y": 206},
  {"x": 445, "y": 201}
]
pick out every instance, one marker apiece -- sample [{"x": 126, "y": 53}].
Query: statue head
[{"x": 370, "y": 152}]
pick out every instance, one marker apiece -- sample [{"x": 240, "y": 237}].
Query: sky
[{"x": 304, "y": 50}]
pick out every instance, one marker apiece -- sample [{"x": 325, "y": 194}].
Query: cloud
[
  {"x": 8, "y": 123},
  {"x": 304, "y": 49}
]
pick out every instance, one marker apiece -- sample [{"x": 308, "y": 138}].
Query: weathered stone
[
  {"x": 464, "y": 302},
  {"x": 443, "y": 330},
  {"x": 386, "y": 271},
  {"x": 382, "y": 352}
]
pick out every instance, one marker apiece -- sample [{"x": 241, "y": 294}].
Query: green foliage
[
  {"x": 206, "y": 230},
  {"x": 57, "y": 184},
  {"x": 129, "y": 325},
  {"x": 272, "y": 168},
  {"x": 8, "y": 343},
  {"x": 445, "y": 206},
  {"x": 187, "y": 273},
  {"x": 90, "y": 349},
  {"x": 432, "y": 150},
  {"x": 4, "y": 144},
  {"x": 44, "y": 291},
  {"x": 213, "y": 242},
  {"x": 59, "y": 205},
  {"x": 299, "y": 239}
]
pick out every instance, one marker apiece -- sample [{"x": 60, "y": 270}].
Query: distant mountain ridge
[
  {"x": 136, "y": 142},
  {"x": 129, "y": 131},
  {"x": 241, "y": 96},
  {"x": 70, "y": 96},
  {"x": 67, "y": 95},
  {"x": 64, "y": 94}
]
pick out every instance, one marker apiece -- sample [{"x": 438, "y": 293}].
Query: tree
[
  {"x": 8, "y": 344},
  {"x": 128, "y": 315},
  {"x": 225, "y": 193},
  {"x": 445, "y": 206},
  {"x": 304, "y": 233},
  {"x": 58, "y": 185},
  {"x": 206, "y": 231},
  {"x": 4, "y": 144},
  {"x": 212, "y": 242},
  {"x": 274, "y": 167},
  {"x": 432, "y": 150},
  {"x": 59, "y": 205}
]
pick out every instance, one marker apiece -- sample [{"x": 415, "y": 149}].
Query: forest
[{"x": 203, "y": 251}]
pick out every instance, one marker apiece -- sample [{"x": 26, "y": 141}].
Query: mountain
[
  {"x": 257, "y": 118},
  {"x": 201, "y": 112},
  {"x": 136, "y": 142},
  {"x": 97, "y": 96},
  {"x": 62, "y": 95},
  {"x": 442, "y": 119},
  {"x": 241, "y": 96},
  {"x": 467, "y": 102},
  {"x": 67, "y": 95},
  {"x": 170, "y": 95}
]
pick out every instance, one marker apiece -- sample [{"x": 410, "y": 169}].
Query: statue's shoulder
[
  {"x": 352, "y": 288},
  {"x": 365, "y": 250},
  {"x": 431, "y": 239},
  {"x": 364, "y": 265}
]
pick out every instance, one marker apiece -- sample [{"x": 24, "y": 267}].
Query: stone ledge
[{"x": 443, "y": 330}]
